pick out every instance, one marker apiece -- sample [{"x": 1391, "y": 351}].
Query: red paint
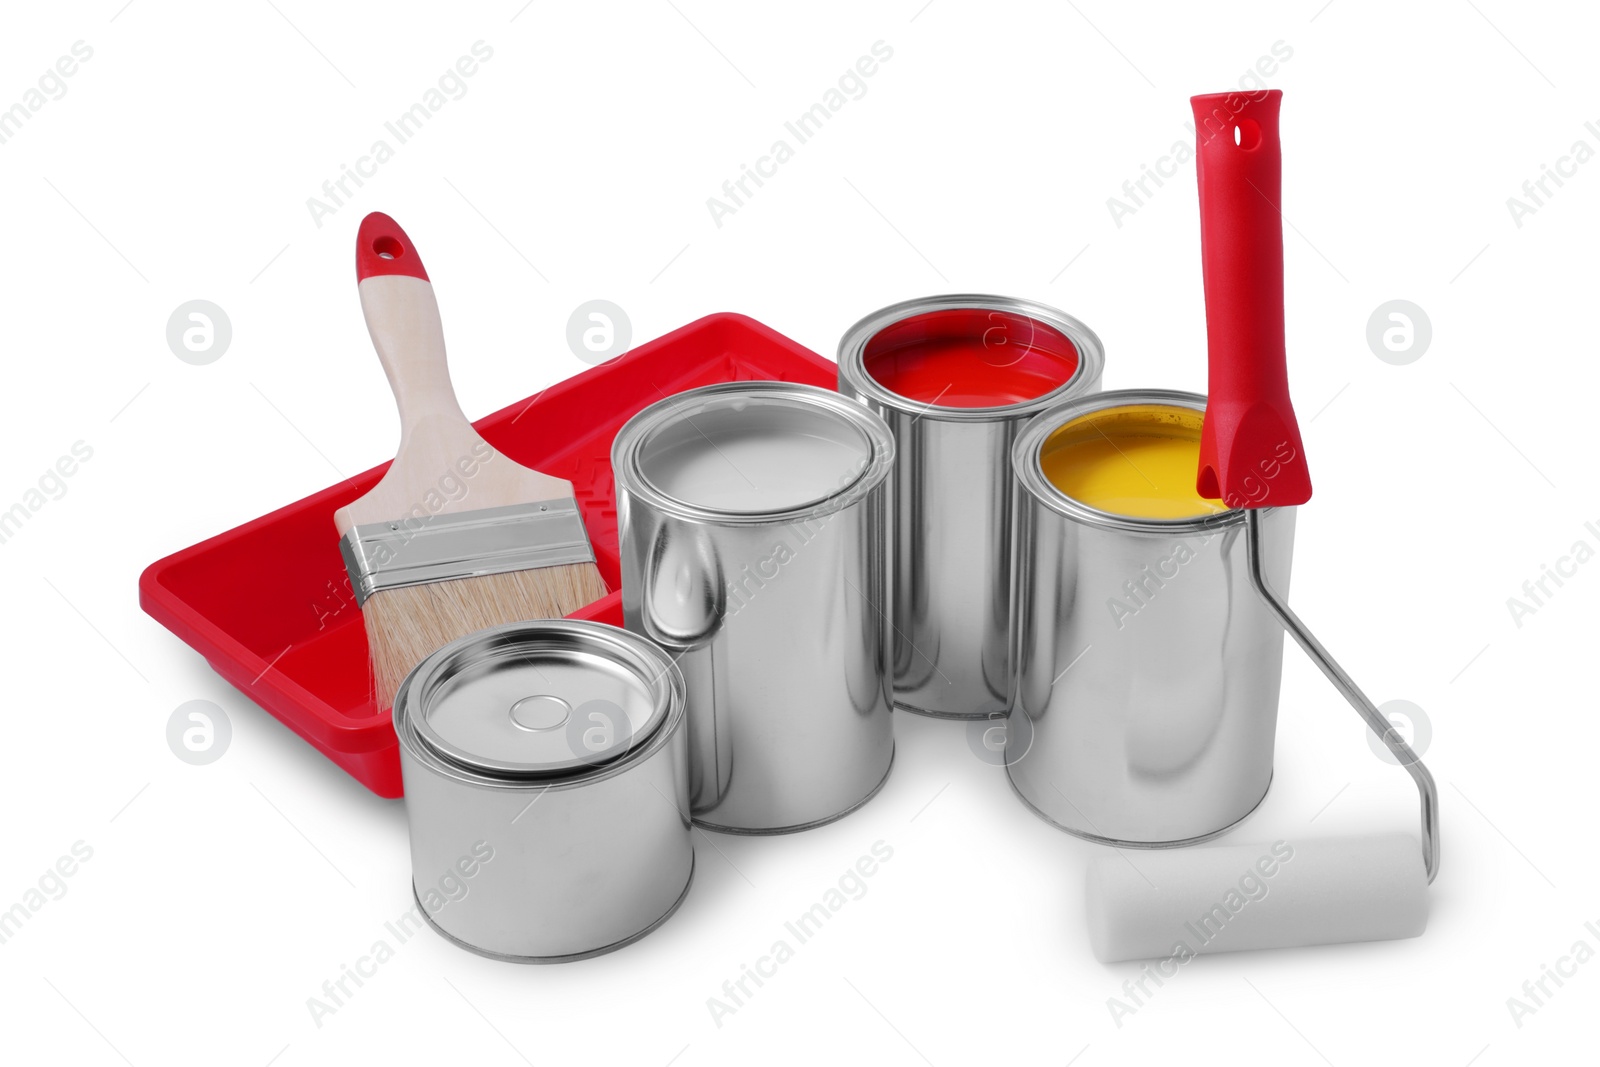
[
  {"x": 269, "y": 606},
  {"x": 382, "y": 247},
  {"x": 970, "y": 358}
]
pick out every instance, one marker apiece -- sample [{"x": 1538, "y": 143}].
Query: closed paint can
[
  {"x": 546, "y": 781},
  {"x": 955, "y": 378},
  {"x": 1144, "y": 695},
  {"x": 754, "y": 528}
]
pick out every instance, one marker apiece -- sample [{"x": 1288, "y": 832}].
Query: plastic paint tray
[{"x": 268, "y": 604}]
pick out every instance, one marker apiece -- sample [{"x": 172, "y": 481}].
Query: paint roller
[{"x": 1285, "y": 894}]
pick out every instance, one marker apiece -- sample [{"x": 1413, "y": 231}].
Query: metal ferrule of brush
[{"x": 470, "y": 544}]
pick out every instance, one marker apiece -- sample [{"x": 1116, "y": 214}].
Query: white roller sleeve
[{"x": 1192, "y": 901}]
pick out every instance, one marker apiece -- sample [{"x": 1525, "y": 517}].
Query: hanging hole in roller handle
[
  {"x": 1246, "y": 133},
  {"x": 387, "y": 247}
]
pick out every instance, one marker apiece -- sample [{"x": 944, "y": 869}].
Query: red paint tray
[{"x": 268, "y": 603}]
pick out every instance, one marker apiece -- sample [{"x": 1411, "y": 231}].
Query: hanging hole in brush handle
[
  {"x": 382, "y": 247},
  {"x": 1251, "y": 455}
]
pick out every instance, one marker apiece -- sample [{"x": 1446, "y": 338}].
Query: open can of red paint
[{"x": 955, "y": 378}]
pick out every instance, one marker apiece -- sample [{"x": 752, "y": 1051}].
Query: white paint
[{"x": 752, "y": 456}]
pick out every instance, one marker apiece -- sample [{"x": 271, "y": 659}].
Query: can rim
[
  {"x": 1029, "y": 472},
  {"x": 853, "y": 346},
  {"x": 631, "y": 479},
  {"x": 656, "y": 672}
]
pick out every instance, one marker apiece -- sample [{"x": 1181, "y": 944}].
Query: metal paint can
[
  {"x": 754, "y": 527},
  {"x": 546, "y": 782},
  {"x": 1144, "y": 697},
  {"x": 956, "y": 377}
]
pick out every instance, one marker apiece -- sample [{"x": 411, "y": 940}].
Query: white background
[{"x": 177, "y": 166}]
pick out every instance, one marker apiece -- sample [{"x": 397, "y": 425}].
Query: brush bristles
[{"x": 406, "y": 625}]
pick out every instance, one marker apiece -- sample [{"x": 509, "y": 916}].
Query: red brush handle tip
[
  {"x": 382, "y": 247},
  {"x": 1250, "y": 450}
]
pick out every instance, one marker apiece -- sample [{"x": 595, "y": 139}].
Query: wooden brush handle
[
  {"x": 403, "y": 319},
  {"x": 443, "y": 465}
]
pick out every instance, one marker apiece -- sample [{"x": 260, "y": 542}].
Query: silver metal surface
[
  {"x": 1144, "y": 695},
  {"x": 519, "y": 852},
  {"x": 1427, "y": 792},
  {"x": 471, "y": 544},
  {"x": 754, "y": 528},
  {"x": 572, "y": 957},
  {"x": 951, "y": 492},
  {"x": 511, "y": 706}
]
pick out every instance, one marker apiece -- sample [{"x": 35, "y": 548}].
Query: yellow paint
[{"x": 1138, "y": 460}]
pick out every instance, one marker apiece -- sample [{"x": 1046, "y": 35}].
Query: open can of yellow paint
[{"x": 1145, "y": 669}]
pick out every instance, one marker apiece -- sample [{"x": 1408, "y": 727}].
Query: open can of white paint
[{"x": 755, "y": 539}]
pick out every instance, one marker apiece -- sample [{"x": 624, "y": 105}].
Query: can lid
[{"x": 537, "y": 699}]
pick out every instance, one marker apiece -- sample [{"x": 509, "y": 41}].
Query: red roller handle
[
  {"x": 1250, "y": 450},
  {"x": 382, "y": 247}
]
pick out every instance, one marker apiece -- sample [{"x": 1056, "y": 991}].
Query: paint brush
[{"x": 456, "y": 537}]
